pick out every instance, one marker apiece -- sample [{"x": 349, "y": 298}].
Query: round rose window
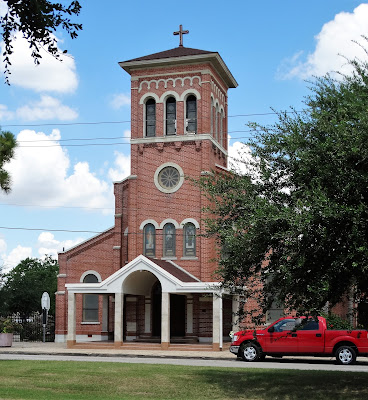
[{"x": 169, "y": 177}]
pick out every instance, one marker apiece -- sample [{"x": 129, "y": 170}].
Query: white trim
[
  {"x": 128, "y": 178},
  {"x": 90, "y": 272},
  {"x": 169, "y": 283},
  {"x": 181, "y": 177},
  {"x": 220, "y": 166},
  {"x": 179, "y": 138},
  {"x": 126, "y": 231},
  {"x": 167, "y": 94},
  {"x": 169, "y": 221},
  {"x": 61, "y": 276},
  {"x": 90, "y": 323},
  {"x": 187, "y": 220},
  {"x": 149, "y": 221},
  {"x": 148, "y": 95},
  {"x": 188, "y": 92}
]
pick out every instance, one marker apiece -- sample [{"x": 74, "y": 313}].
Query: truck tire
[
  {"x": 345, "y": 355},
  {"x": 250, "y": 352}
]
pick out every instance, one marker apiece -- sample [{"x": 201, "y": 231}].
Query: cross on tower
[{"x": 181, "y": 33}]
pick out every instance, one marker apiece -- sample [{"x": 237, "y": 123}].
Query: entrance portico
[{"x": 146, "y": 278}]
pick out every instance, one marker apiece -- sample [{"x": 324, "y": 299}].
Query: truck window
[
  {"x": 285, "y": 325},
  {"x": 311, "y": 325}
]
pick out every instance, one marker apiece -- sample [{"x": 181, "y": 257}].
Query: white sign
[{"x": 45, "y": 301}]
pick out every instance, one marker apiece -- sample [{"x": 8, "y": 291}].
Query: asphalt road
[{"x": 310, "y": 364}]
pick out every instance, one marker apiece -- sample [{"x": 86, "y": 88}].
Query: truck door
[
  {"x": 281, "y": 339},
  {"x": 310, "y": 337}
]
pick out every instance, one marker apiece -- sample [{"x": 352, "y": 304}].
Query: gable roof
[
  {"x": 176, "y": 52},
  {"x": 181, "y": 55}
]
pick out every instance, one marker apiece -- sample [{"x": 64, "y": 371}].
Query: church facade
[{"x": 151, "y": 276}]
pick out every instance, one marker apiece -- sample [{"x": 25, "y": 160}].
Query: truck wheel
[
  {"x": 345, "y": 355},
  {"x": 250, "y": 352}
]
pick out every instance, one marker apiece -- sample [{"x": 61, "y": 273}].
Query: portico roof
[{"x": 138, "y": 276}]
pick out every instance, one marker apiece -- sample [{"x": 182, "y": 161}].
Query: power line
[
  {"x": 128, "y": 121},
  {"x": 85, "y": 231}
]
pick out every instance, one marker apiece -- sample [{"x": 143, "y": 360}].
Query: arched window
[
  {"x": 191, "y": 114},
  {"x": 171, "y": 116},
  {"x": 150, "y": 118},
  {"x": 222, "y": 128},
  {"x": 149, "y": 244},
  {"x": 217, "y": 123},
  {"x": 212, "y": 118},
  {"x": 90, "y": 301},
  {"x": 169, "y": 240},
  {"x": 189, "y": 240}
]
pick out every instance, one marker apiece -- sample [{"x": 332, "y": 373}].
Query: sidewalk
[{"x": 60, "y": 349}]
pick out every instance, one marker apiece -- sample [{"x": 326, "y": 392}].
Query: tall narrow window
[
  {"x": 149, "y": 240},
  {"x": 217, "y": 123},
  {"x": 222, "y": 128},
  {"x": 191, "y": 114},
  {"x": 150, "y": 118},
  {"x": 169, "y": 240},
  {"x": 189, "y": 240},
  {"x": 90, "y": 301},
  {"x": 171, "y": 116},
  {"x": 212, "y": 118}
]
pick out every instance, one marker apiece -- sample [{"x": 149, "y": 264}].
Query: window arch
[
  {"x": 171, "y": 116},
  {"x": 90, "y": 301},
  {"x": 191, "y": 114},
  {"x": 150, "y": 118},
  {"x": 169, "y": 240},
  {"x": 149, "y": 240},
  {"x": 189, "y": 246}
]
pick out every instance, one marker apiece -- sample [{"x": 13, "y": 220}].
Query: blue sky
[{"x": 61, "y": 184}]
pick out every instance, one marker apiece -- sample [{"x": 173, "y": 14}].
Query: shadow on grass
[{"x": 286, "y": 384}]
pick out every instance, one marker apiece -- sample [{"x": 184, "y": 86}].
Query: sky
[{"x": 72, "y": 118}]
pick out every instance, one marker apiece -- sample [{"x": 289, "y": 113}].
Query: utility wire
[{"x": 127, "y": 121}]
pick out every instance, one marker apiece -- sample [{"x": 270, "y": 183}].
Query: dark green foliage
[
  {"x": 336, "y": 322},
  {"x": 296, "y": 232},
  {"x": 25, "y": 284},
  {"x": 7, "y": 146},
  {"x": 37, "y": 20}
]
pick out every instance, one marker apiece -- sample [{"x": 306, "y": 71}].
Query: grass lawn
[{"x": 99, "y": 380}]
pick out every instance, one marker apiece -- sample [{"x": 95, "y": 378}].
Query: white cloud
[
  {"x": 240, "y": 157},
  {"x": 48, "y": 245},
  {"x": 5, "y": 114},
  {"x": 46, "y": 108},
  {"x": 3, "y": 8},
  {"x": 3, "y": 246},
  {"x": 50, "y": 75},
  {"x": 122, "y": 170},
  {"x": 40, "y": 175},
  {"x": 334, "y": 40},
  {"x": 15, "y": 257},
  {"x": 120, "y": 100}
]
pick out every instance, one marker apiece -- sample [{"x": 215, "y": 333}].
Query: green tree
[
  {"x": 7, "y": 146},
  {"x": 294, "y": 229},
  {"x": 24, "y": 285},
  {"x": 37, "y": 20}
]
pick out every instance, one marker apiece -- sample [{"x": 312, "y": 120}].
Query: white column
[
  {"x": 165, "y": 320},
  {"x": 147, "y": 314},
  {"x": 235, "y": 311},
  {"x": 189, "y": 314},
  {"x": 118, "y": 328},
  {"x": 71, "y": 336},
  {"x": 217, "y": 322}
]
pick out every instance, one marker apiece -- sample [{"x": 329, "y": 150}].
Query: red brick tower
[{"x": 179, "y": 131}]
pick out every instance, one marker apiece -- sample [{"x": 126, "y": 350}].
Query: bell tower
[{"x": 178, "y": 130}]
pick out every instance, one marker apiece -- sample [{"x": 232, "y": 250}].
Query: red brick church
[{"x": 150, "y": 276}]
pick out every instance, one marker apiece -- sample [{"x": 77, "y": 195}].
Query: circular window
[{"x": 169, "y": 177}]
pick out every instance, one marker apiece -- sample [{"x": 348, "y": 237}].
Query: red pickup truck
[{"x": 300, "y": 336}]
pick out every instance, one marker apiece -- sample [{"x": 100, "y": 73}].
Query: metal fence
[{"x": 31, "y": 328}]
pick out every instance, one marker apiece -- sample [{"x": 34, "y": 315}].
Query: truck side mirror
[{"x": 271, "y": 329}]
